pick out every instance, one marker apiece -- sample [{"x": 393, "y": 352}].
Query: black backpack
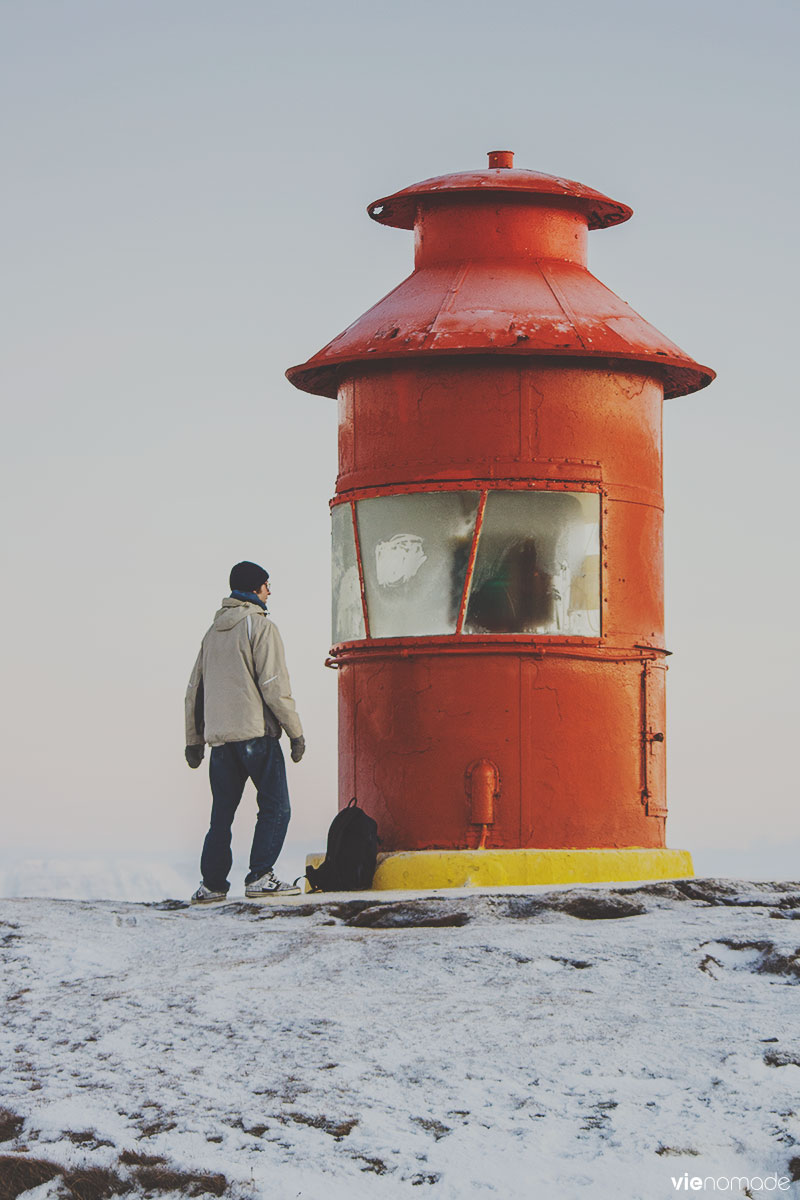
[{"x": 350, "y": 855}]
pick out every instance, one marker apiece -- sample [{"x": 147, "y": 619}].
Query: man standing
[{"x": 238, "y": 700}]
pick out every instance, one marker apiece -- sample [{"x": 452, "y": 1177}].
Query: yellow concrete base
[{"x": 421, "y": 870}]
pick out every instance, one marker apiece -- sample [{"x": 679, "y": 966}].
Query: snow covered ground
[{"x": 600, "y": 1042}]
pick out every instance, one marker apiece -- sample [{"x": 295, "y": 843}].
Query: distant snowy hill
[
  {"x": 607, "y": 1042},
  {"x": 96, "y": 879},
  {"x": 136, "y": 877}
]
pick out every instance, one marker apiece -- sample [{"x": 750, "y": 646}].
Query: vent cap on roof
[{"x": 400, "y": 209}]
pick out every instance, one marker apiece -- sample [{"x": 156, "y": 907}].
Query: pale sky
[{"x": 184, "y": 218}]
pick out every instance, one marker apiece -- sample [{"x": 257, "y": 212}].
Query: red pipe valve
[{"x": 483, "y": 788}]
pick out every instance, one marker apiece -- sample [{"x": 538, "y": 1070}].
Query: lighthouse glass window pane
[
  {"x": 537, "y": 569},
  {"x": 414, "y": 553},
  {"x": 348, "y": 614}
]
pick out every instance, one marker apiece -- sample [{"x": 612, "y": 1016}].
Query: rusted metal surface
[{"x": 502, "y": 367}]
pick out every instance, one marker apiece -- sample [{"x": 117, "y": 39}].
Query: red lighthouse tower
[{"x": 497, "y": 544}]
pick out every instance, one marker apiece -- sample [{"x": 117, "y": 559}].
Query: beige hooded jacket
[{"x": 239, "y": 688}]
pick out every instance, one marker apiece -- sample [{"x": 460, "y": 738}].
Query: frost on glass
[
  {"x": 414, "y": 553},
  {"x": 537, "y": 569},
  {"x": 348, "y": 615}
]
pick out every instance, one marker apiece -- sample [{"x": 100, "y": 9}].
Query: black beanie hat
[{"x": 247, "y": 577}]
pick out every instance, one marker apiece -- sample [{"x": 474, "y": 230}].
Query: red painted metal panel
[
  {"x": 347, "y": 730},
  {"x": 565, "y": 735},
  {"x": 492, "y": 419},
  {"x": 654, "y": 759},
  {"x": 633, "y": 573},
  {"x": 428, "y": 715},
  {"x": 347, "y": 427}
]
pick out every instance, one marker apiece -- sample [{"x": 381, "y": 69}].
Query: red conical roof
[{"x": 543, "y": 307}]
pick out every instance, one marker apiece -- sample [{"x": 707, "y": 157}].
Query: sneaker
[
  {"x": 269, "y": 885},
  {"x": 205, "y": 895}
]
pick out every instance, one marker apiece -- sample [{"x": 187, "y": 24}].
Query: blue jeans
[{"x": 259, "y": 759}]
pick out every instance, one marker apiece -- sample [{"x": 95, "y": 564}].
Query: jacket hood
[{"x": 232, "y": 612}]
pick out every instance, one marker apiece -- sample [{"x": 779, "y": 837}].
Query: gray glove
[
  {"x": 194, "y": 755},
  {"x": 298, "y": 748}
]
